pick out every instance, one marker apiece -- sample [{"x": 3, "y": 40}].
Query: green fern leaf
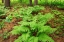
[
  {"x": 20, "y": 30},
  {"x": 46, "y": 29},
  {"x": 45, "y": 38},
  {"x": 23, "y": 38},
  {"x": 33, "y": 39}
]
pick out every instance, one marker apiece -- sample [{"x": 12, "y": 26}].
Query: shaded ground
[{"x": 7, "y": 28}]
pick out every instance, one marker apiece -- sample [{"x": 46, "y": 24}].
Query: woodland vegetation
[{"x": 31, "y": 20}]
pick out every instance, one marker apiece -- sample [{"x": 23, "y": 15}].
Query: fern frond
[
  {"x": 33, "y": 39},
  {"x": 23, "y": 38},
  {"x": 45, "y": 38},
  {"x": 46, "y": 29},
  {"x": 33, "y": 28},
  {"x": 20, "y": 29}
]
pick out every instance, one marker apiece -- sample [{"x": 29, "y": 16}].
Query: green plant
[
  {"x": 59, "y": 18},
  {"x": 33, "y": 29},
  {"x": 9, "y": 18},
  {"x": 1, "y": 10},
  {"x": 23, "y": 12},
  {"x": 30, "y": 10},
  {"x": 38, "y": 8},
  {"x": 5, "y": 35},
  {"x": 61, "y": 6},
  {"x": 56, "y": 12},
  {"x": 1, "y": 24}
]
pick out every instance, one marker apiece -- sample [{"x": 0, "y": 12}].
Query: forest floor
[{"x": 9, "y": 26}]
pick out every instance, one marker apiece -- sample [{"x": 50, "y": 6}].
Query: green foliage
[
  {"x": 38, "y": 8},
  {"x": 45, "y": 38},
  {"x": 1, "y": 24},
  {"x": 29, "y": 10},
  {"x": 42, "y": 2},
  {"x": 23, "y": 12},
  {"x": 9, "y": 18},
  {"x": 60, "y": 18},
  {"x": 61, "y": 6},
  {"x": 5, "y": 35},
  {"x": 56, "y": 12},
  {"x": 1, "y": 10},
  {"x": 33, "y": 29}
]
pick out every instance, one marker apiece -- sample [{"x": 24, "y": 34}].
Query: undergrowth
[
  {"x": 33, "y": 28},
  {"x": 60, "y": 18},
  {"x": 1, "y": 10},
  {"x": 1, "y": 24},
  {"x": 23, "y": 12}
]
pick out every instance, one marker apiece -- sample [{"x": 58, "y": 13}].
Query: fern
[
  {"x": 45, "y": 38},
  {"x": 1, "y": 24},
  {"x": 29, "y": 10},
  {"x": 56, "y": 12},
  {"x": 9, "y": 18},
  {"x": 1, "y": 10},
  {"x": 32, "y": 27},
  {"x": 38, "y": 8},
  {"x": 35, "y": 29}
]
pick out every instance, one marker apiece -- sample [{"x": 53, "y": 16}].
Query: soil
[
  {"x": 9, "y": 26},
  {"x": 60, "y": 36}
]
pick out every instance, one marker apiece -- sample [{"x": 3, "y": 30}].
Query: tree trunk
[
  {"x": 35, "y": 2},
  {"x": 30, "y": 2},
  {"x": 2, "y": 1},
  {"x": 7, "y": 3}
]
